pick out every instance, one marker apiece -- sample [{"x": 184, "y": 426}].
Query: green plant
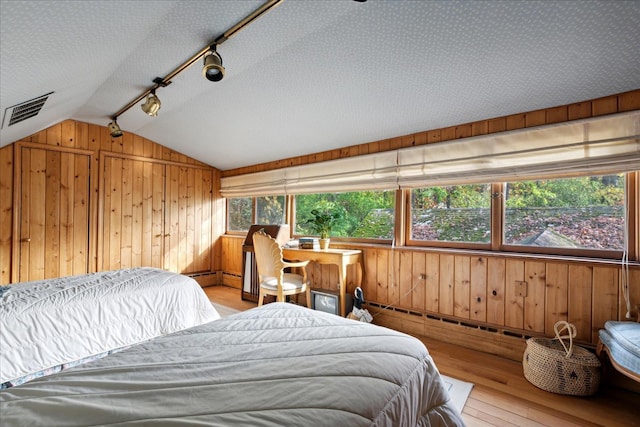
[{"x": 322, "y": 222}]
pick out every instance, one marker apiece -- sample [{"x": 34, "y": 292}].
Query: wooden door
[
  {"x": 188, "y": 219},
  {"x": 54, "y": 198},
  {"x": 132, "y": 214}
]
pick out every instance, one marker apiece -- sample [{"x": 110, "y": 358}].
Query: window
[
  {"x": 580, "y": 213},
  {"x": 268, "y": 210},
  {"x": 239, "y": 213},
  {"x": 458, "y": 213},
  {"x": 365, "y": 214}
]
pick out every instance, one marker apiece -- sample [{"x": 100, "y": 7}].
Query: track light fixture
[
  {"x": 114, "y": 129},
  {"x": 213, "y": 69},
  {"x": 151, "y": 104}
]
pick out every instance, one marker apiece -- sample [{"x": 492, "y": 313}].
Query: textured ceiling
[{"x": 310, "y": 75}]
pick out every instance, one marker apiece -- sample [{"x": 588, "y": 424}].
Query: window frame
[
  {"x": 402, "y": 232},
  {"x": 442, "y": 243},
  {"x": 497, "y": 210},
  {"x": 254, "y": 212},
  {"x": 345, "y": 239}
]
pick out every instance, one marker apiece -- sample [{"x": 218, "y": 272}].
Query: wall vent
[{"x": 24, "y": 110}]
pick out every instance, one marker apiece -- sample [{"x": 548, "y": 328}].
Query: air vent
[{"x": 23, "y": 111}]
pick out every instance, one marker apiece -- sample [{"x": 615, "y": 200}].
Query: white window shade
[
  {"x": 608, "y": 144},
  {"x": 369, "y": 172},
  {"x": 267, "y": 183},
  {"x": 594, "y": 146}
]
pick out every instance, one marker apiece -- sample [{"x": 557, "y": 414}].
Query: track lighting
[
  {"x": 213, "y": 69},
  {"x": 151, "y": 104},
  {"x": 114, "y": 129}
]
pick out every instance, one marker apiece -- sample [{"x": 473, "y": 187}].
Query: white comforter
[
  {"x": 52, "y": 322},
  {"x": 277, "y": 365}
]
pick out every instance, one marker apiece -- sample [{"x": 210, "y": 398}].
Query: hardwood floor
[{"x": 501, "y": 396}]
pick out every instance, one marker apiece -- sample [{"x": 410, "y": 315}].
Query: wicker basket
[{"x": 552, "y": 366}]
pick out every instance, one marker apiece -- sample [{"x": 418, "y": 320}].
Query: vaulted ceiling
[{"x": 309, "y": 76}]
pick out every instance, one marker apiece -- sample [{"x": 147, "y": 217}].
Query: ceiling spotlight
[
  {"x": 213, "y": 69},
  {"x": 115, "y": 130},
  {"x": 151, "y": 104}
]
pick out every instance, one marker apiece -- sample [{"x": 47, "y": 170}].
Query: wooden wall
[
  {"x": 75, "y": 200},
  {"x": 504, "y": 298}
]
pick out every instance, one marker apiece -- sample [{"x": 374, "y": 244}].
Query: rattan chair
[{"x": 271, "y": 275}]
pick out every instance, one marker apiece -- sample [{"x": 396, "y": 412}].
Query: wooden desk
[{"x": 340, "y": 257}]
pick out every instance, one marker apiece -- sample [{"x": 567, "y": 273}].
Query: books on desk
[{"x": 308, "y": 243}]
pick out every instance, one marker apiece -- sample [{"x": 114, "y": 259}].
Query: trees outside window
[
  {"x": 458, "y": 213},
  {"x": 551, "y": 215},
  {"x": 364, "y": 214},
  {"x": 582, "y": 213},
  {"x": 268, "y": 210},
  {"x": 239, "y": 213}
]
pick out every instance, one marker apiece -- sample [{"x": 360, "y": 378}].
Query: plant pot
[{"x": 324, "y": 243}]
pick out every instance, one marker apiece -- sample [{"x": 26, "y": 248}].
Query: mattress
[
  {"x": 623, "y": 341},
  {"x": 275, "y": 365},
  {"x": 49, "y": 323}
]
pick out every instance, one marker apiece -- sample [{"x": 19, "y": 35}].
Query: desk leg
[{"x": 343, "y": 287}]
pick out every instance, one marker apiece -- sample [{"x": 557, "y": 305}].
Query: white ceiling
[{"x": 310, "y": 75}]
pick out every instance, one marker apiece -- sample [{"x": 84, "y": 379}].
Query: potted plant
[{"x": 321, "y": 223}]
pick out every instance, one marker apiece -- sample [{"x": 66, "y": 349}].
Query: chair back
[{"x": 268, "y": 256}]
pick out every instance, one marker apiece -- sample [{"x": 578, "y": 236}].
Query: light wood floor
[{"x": 501, "y": 396}]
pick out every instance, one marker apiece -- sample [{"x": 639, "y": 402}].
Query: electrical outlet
[{"x": 521, "y": 288}]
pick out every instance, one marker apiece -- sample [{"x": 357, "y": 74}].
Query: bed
[
  {"x": 49, "y": 325},
  {"x": 275, "y": 365},
  {"x": 621, "y": 341}
]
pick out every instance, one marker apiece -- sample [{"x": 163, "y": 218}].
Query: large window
[
  {"x": 244, "y": 211},
  {"x": 583, "y": 216},
  {"x": 458, "y": 213},
  {"x": 364, "y": 214},
  {"x": 560, "y": 216},
  {"x": 581, "y": 213}
]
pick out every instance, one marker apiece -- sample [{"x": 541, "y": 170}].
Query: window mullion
[{"x": 497, "y": 215}]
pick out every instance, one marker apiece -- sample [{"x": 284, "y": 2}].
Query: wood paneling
[
  {"x": 156, "y": 215},
  {"x": 556, "y": 295},
  {"x": 500, "y": 293},
  {"x": 53, "y": 210},
  {"x": 6, "y": 213},
  {"x": 58, "y": 196}
]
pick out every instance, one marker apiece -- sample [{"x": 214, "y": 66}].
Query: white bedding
[
  {"x": 276, "y": 365},
  {"x": 48, "y": 323}
]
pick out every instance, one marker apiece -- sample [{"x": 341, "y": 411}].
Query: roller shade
[
  {"x": 268, "y": 183},
  {"x": 368, "y": 172},
  {"x": 594, "y": 146}
]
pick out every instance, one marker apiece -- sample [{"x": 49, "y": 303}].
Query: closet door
[
  {"x": 132, "y": 214},
  {"x": 188, "y": 219},
  {"x": 54, "y": 211}
]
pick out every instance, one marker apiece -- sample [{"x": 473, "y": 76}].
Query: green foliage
[
  {"x": 323, "y": 221},
  {"x": 452, "y": 197},
  {"x": 605, "y": 190},
  {"x": 354, "y": 207},
  {"x": 378, "y": 224},
  {"x": 239, "y": 213},
  {"x": 270, "y": 209}
]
